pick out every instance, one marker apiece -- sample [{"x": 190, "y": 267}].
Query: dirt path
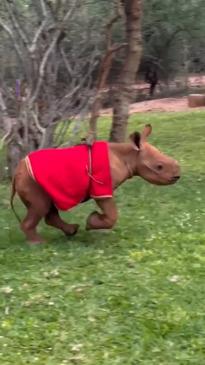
[{"x": 158, "y": 105}]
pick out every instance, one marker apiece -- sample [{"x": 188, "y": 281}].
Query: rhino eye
[{"x": 159, "y": 167}]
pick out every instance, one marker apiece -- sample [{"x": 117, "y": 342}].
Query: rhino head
[{"x": 150, "y": 163}]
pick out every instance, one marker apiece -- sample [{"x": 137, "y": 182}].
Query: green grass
[{"x": 135, "y": 295}]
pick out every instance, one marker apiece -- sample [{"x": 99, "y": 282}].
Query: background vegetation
[{"x": 61, "y": 60}]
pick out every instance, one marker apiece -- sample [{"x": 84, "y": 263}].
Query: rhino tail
[{"x": 13, "y": 192}]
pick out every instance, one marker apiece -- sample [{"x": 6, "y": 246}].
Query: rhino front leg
[
  {"x": 106, "y": 219},
  {"x": 53, "y": 219}
]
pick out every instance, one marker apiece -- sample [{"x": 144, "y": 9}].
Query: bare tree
[
  {"x": 104, "y": 69},
  {"x": 53, "y": 77},
  {"x": 127, "y": 76}
]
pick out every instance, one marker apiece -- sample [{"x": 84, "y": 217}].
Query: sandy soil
[
  {"x": 158, "y": 105},
  {"x": 163, "y": 105}
]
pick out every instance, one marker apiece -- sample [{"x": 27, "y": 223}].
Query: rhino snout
[
  {"x": 176, "y": 174},
  {"x": 175, "y": 178}
]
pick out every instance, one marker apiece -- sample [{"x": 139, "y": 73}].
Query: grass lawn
[{"x": 135, "y": 295}]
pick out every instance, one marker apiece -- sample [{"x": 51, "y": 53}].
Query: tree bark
[
  {"x": 127, "y": 76},
  {"x": 104, "y": 70},
  {"x": 14, "y": 155}
]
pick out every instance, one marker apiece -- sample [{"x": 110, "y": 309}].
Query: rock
[{"x": 196, "y": 100}]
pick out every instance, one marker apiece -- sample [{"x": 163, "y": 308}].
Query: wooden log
[{"x": 196, "y": 100}]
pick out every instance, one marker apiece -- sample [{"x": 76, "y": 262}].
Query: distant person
[{"x": 151, "y": 77}]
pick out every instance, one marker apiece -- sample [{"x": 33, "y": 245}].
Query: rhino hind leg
[
  {"x": 53, "y": 219},
  {"x": 29, "y": 224},
  {"x": 35, "y": 199},
  {"x": 36, "y": 210},
  {"x": 39, "y": 205}
]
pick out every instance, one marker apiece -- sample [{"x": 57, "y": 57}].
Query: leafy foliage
[{"x": 172, "y": 31}]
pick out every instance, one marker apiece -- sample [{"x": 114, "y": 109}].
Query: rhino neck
[{"x": 123, "y": 162}]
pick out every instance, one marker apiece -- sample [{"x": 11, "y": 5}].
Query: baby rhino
[{"x": 58, "y": 179}]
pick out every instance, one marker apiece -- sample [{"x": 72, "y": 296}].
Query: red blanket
[{"x": 71, "y": 175}]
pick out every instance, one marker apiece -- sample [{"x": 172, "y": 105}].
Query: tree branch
[
  {"x": 66, "y": 62},
  {"x": 8, "y": 135},
  {"x": 103, "y": 73},
  {"x": 70, "y": 12},
  {"x": 110, "y": 24},
  {"x": 42, "y": 68},
  {"x": 49, "y": 51},
  {"x": 39, "y": 31},
  {"x": 11, "y": 35},
  {"x": 17, "y": 25},
  {"x": 3, "y": 105},
  {"x": 43, "y": 7},
  {"x": 7, "y": 124},
  {"x": 40, "y": 129}
]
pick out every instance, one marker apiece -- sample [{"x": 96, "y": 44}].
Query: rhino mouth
[
  {"x": 174, "y": 179},
  {"x": 163, "y": 181},
  {"x": 170, "y": 181}
]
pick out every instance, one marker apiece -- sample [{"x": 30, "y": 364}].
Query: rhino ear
[
  {"x": 146, "y": 132},
  {"x": 135, "y": 137}
]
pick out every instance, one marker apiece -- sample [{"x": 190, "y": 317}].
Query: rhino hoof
[{"x": 73, "y": 229}]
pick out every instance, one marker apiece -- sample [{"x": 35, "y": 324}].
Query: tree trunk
[
  {"x": 122, "y": 92},
  {"x": 14, "y": 155}
]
